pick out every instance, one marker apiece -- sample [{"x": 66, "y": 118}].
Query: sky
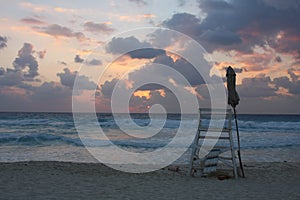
[{"x": 46, "y": 45}]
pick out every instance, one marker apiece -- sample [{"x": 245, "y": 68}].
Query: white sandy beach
[{"x": 65, "y": 180}]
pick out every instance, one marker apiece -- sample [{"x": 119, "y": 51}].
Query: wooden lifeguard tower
[{"x": 214, "y": 138}]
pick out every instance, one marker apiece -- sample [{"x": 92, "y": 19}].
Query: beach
[
  {"x": 67, "y": 180},
  {"x": 42, "y": 157}
]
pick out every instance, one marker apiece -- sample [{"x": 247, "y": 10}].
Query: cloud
[
  {"x": 3, "y": 42},
  {"x": 51, "y": 91},
  {"x": 124, "y": 45},
  {"x": 77, "y": 59},
  {"x": 293, "y": 84},
  {"x": 255, "y": 61},
  {"x": 183, "y": 67},
  {"x": 32, "y": 21},
  {"x": 67, "y": 78},
  {"x": 259, "y": 86},
  {"x": 98, "y": 27},
  {"x": 185, "y": 23},
  {"x": 49, "y": 96},
  {"x": 140, "y": 103},
  {"x": 146, "y": 53},
  {"x": 41, "y": 54},
  {"x": 94, "y": 62},
  {"x": 11, "y": 77},
  {"x": 56, "y": 30},
  {"x": 25, "y": 69},
  {"x": 241, "y": 25},
  {"x": 163, "y": 38},
  {"x": 165, "y": 98},
  {"x": 107, "y": 87},
  {"x": 221, "y": 37},
  {"x": 26, "y": 60},
  {"x": 133, "y": 47}
]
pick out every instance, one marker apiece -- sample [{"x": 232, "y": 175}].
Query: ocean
[{"x": 53, "y": 137}]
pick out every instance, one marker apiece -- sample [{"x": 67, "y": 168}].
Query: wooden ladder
[{"x": 211, "y": 130}]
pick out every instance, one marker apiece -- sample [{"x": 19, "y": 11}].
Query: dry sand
[{"x": 63, "y": 180}]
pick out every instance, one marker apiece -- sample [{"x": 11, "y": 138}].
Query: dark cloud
[
  {"x": 168, "y": 101},
  {"x": 3, "y": 42},
  {"x": 293, "y": 84},
  {"x": 256, "y": 87},
  {"x": 185, "y": 23},
  {"x": 184, "y": 68},
  {"x": 51, "y": 90},
  {"x": 49, "y": 96},
  {"x": 163, "y": 38},
  {"x": 141, "y": 104},
  {"x": 151, "y": 86},
  {"x": 26, "y": 60},
  {"x": 124, "y": 45},
  {"x": 98, "y": 27},
  {"x": 56, "y": 30},
  {"x": 77, "y": 59},
  {"x": 41, "y": 54},
  {"x": 32, "y": 21},
  {"x": 25, "y": 69},
  {"x": 159, "y": 73},
  {"x": 241, "y": 25},
  {"x": 221, "y": 37},
  {"x": 278, "y": 105},
  {"x": 133, "y": 47},
  {"x": 107, "y": 87},
  {"x": 94, "y": 62},
  {"x": 10, "y": 77},
  {"x": 67, "y": 78},
  {"x": 147, "y": 53}
]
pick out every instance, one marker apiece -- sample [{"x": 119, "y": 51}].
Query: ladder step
[
  {"x": 225, "y": 158},
  {"x": 208, "y": 170},
  {"x": 213, "y": 154},
  {"x": 221, "y": 148},
  {"x": 227, "y": 130},
  {"x": 214, "y": 137},
  {"x": 209, "y": 162}
]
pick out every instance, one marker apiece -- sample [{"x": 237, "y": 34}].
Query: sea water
[{"x": 53, "y": 136}]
